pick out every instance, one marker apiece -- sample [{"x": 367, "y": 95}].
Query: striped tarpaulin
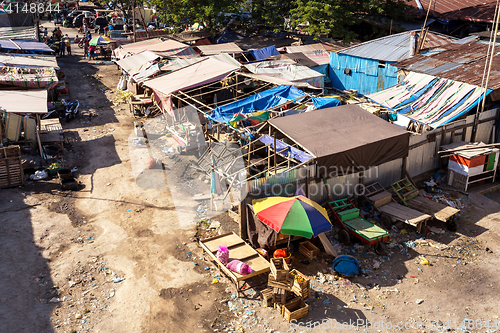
[
  {"x": 430, "y": 100},
  {"x": 28, "y": 77}
]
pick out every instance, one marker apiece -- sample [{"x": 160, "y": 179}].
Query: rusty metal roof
[
  {"x": 466, "y": 10},
  {"x": 459, "y": 62}
]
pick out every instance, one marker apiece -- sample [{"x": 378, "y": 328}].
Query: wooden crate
[
  {"x": 280, "y": 295},
  {"x": 308, "y": 250},
  {"x": 381, "y": 198},
  {"x": 301, "y": 289},
  {"x": 266, "y": 296},
  {"x": 11, "y": 169},
  {"x": 279, "y": 269},
  {"x": 295, "y": 309},
  {"x": 271, "y": 282}
]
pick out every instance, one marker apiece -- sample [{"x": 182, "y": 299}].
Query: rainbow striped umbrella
[
  {"x": 298, "y": 216},
  {"x": 99, "y": 40}
]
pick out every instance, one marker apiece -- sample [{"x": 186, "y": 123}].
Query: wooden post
[
  {"x": 403, "y": 167},
  {"x": 133, "y": 23},
  {"x": 307, "y": 182},
  {"x": 243, "y": 220},
  {"x": 275, "y": 151},
  {"x": 269, "y": 154}
]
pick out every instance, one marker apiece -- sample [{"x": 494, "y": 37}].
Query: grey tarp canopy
[{"x": 344, "y": 139}]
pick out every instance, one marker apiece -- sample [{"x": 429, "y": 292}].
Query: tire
[
  {"x": 380, "y": 249},
  {"x": 385, "y": 221},
  {"x": 80, "y": 45},
  {"x": 344, "y": 237}
]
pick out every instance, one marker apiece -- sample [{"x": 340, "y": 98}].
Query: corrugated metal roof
[
  {"x": 395, "y": 47},
  {"x": 465, "y": 64},
  {"x": 24, "y": 33},
  {"x": 453, "y": 8}
]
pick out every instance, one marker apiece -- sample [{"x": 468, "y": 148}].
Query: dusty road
[{"x": 115, "y": 257}]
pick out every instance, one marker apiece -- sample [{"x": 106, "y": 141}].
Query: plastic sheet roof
[
  {"x": 203, "y": 72},
  {"x": 315, "y": 52},
  {"x": 429, "y": 100},
  {"x": 33, "y": 101},
  {"x": 24, "y": 60},
  {"x": 166, "y": 48},
  {"x": 219, "y": 48},
  {"x": 136, "y": 60},
  {"x": 287, "y": 70},
  {"x": 25, "y": 46}
]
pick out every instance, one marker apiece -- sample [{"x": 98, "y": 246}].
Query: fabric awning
[
  {"x": 219, "y": 48},
  {"x": 203, "y": 72},
  {"x": 288, "y": 71},
  {"x": 278, "y": 81},
  {"x": 344, "y": 139},
  {"x": 428, "y": 99},
  {"x": 315, "y": 52},
  {"x": 265, "y": 52},
  {"x": 24, "y": 60},
  {"x": 33, "y": 101}
]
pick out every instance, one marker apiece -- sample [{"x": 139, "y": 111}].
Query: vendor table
[
  {"x": 240, "y": 250},
  {"x": 139, "y": 102}
]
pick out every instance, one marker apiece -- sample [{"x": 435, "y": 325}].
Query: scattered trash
[
  {"x": 419, "y": 301},
  {"x": 117, "y": 279},
  {"x": 424, "y": 261}
]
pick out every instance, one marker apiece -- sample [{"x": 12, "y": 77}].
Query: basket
[
  {"x": 279, "y": 269},
  {"x": 301, "y": 289},
  {"x": 295, "y": 309},
  {"x": 308, "y": 250},
  {"x": 288, "y": 259}
]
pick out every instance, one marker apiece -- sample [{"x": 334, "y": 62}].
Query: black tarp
[{"x": 344, "y": 139}]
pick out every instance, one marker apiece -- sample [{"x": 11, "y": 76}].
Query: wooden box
[
  {"x": 279, "y": 269},
  {"x": 381, "y": 198},
  {"x": 280, "y": 295},
  {"x": 349, "y": 214},
  {"x": 286, "y": 285},
  {"x": 308, "y": 250},
  {"x": 266, "y": 296},
  {"x": 11, "y": 169},
  {"x": 300, "y": 288},
  {"x": 295, "y": 309}
]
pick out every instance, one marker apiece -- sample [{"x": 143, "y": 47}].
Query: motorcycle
[{"x": 71, "y": 110}]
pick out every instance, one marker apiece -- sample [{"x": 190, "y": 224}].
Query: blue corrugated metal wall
[{"x": 366, "y": 77}]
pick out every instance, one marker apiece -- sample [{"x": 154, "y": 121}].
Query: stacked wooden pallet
[
  {"x": 286, "y": 290},
  {"x": 11, "y": 169}
]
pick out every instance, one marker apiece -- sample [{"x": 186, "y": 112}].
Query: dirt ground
[{"x": 117, "y": 257}]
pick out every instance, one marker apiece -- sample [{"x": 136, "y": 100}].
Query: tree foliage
[{"x": 334, "y": 17}]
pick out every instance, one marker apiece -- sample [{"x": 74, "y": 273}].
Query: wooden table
[
  {"x": 51, "y": 132},
  {"x": 238, "y": 250},
  {"x": 140, "y": 102}
]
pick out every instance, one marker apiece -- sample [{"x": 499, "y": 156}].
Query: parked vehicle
[
  {"x": 71, "y": 110},
  {"x": 100, "y": 23}
]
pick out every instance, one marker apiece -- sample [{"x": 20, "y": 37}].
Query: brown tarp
[
  {"x": 259, "y": 234},
  {"x": 298, "y": 57},
  {"x": 344, "y": 139},
  {"x": 259, "y": 42}
]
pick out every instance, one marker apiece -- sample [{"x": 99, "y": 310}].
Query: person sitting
[{"x": 76, "y": 40}]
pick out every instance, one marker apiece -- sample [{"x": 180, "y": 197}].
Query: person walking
[
  {"x": 92, "y": 52},
  {"x": 62, "y": 48},
  {"x": 85, "y": 47},
  {"x": 67, "y": 43}
]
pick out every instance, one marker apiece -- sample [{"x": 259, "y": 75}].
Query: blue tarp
[
  {"x": 264, "y": 53},
  {"x": 25, "y": 46},
  {"x": 346, "y": 265},
  {"x": 258, "y": 102},
  {"x": 289, "y": 152},
  {"x": 324, "y": 102}
]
